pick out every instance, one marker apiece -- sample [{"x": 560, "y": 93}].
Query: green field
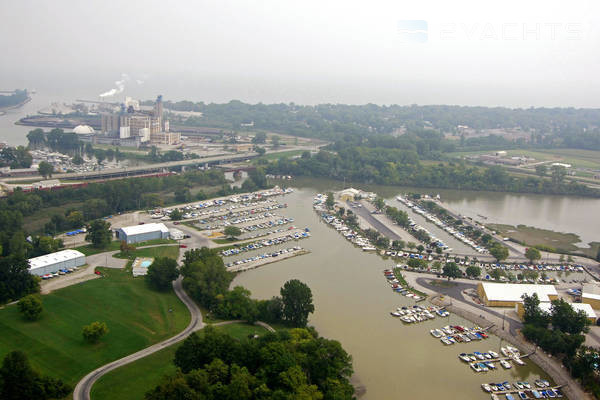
[
  {"x": 136, "y": 316},
  {"x": 88, "y": 249},
  {"x": 274, "y": 156},
  {"x": 135, "y": 379},
  {"x": 576, "y": 157},
  {"x": 153, "y": 252},
  {"x": 530, "y": 236}
]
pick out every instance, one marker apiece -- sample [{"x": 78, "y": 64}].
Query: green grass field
[
  {"x": 274, "y": 156},
  {"x": 132, "y": 381},
  {"x": 136, "y": 316},
  {"x": 153, "y": 252},
  {"x": 88, "y": 250},
  {"x": 576, "y": 157}
]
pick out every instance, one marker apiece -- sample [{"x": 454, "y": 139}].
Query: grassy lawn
[
  {"x": 88, "y": 249},
  {"x": 35, "y": 222},
  {"x": 153, "y": 252},
  {"x": 274, "y": 156},
  {"x": 136, "y": 317},
  {"x": 133, "y": 380},
  {"x": 536, "y": 236},
  {"x": 576, "y": 157}
]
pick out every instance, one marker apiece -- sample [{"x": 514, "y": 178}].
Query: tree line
[
  {"x": 389, "y": 166},
  {"x": 294, "y": 364}
]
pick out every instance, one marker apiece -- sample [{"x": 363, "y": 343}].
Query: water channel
[{"x": 353, "y": 302}]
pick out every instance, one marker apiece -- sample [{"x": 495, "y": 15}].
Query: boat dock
[{"x": 533, "y": 393}]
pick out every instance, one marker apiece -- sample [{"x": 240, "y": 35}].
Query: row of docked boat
[
  {"x": 450, "y": 335},
  {"x": 435, "y": 220},
  {"x": 476, "y": 355},
  {"x": 485, "y": 366},
  {"x": 417, "y": 313},
  {"x": 549, "y": 393},
  {"x": 266, "y": 243},
  {"x": 259, "y": 257},
  {"x": 398, "y": 288},
  {"x": 355, "y": 237}
]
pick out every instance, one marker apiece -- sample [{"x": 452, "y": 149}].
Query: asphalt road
[{"x": 83, "y": 388}]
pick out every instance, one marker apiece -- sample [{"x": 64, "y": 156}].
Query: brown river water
[{"x": 353, "y": 301}]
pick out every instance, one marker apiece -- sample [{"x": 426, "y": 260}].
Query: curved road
[{"x": 82, "y": 390}]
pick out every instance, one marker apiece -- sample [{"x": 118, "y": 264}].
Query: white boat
[
  {"x": 518, "y": 360},
  {"x": 486, "y": 387},
  {"x": 505, "y": 364},
  {"x": 436, "y": 333},
  {"x": 493, "y": 354},
  {"x": 475, "y": 367},
  {"x": 505, "y": 351},
  {"x": 465, "y": 357}
]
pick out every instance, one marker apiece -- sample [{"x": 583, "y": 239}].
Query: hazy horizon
[{"x": 540, "y": 54}]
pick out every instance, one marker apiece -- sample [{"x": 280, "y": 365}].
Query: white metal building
[
  {"x": 142, "y": 233},
  {"x": 53, "y": 262},
  {"x": 509, "y": 294}
]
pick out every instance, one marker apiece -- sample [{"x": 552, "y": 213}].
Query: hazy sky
[{"x": 481, "y": 52}]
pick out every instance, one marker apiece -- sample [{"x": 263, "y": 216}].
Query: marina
[{"x": 362, "y": 291}]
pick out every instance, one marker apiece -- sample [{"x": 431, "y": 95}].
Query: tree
[
  {"x": 125, "y": 248},
  {"x": 259, "y": 138},
  {"x": 15, "y": 279},
  {"x": 329, "y": 202},
  {"x": 297, "y": 302},
  {"x": 100, "y": 155},
  {"x": 205, "y": 277},
  {"x": 541, "y": 170},
  {"x": 451, "y": 270},
  {"x": 77, "y": 159},
  {"x": 183, "y": 195},
  {"x": 420, "y": 248},
  {"x": 532, "y": 314},
  {"x": 275, "y": 141},
  {"x": 564, "y": 318},
  {"x": 232, "y": 232},
  {"x": 19, "y": 381},
  {"x": 558, "y": 174},
  {"x": 94, "y": 331},
  {"x": 75, "y": 219},
  {"x": 532, "y": 254},
  {"x": 260, "y": 150},
  {"x": 31, "y": 307},
  {"x": 437, "y": 266},
  {"x": 411, "y": 245},
  {"x": 46, "y": 169},
  {"x": 473, "y": 271},
  {"x": 162, "y": 272},
  {"x": 499, "y": 252},
  {"x": 99, "y": 234},
  {"x": 176, "y": 215},
  {"x": 379, "y": 203}
]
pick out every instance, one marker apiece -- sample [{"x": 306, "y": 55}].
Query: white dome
[{"x": 83, "y": 129}]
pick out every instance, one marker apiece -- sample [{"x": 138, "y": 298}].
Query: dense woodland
[
  {"x": 551, "y": 127},
  {"x": 396, "y": 166},
  {"x": 294, "y": 364}
]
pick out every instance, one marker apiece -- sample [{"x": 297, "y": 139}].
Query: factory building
[
  {"x": 509, "y": 294},
  {"x": 142, "y": 233},
  {"x": 53, "y": 262},
  {"x": 590, "y": 294}
]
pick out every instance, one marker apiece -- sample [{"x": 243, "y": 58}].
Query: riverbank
[{"x": 21, "y": 104}]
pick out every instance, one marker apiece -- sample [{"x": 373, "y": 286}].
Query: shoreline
[
  {"x": 548, "y": 364},
  {"x": 21, "y": 104}
]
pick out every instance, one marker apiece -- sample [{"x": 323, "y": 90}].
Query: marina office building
[{"x": 509, "y": 294}]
